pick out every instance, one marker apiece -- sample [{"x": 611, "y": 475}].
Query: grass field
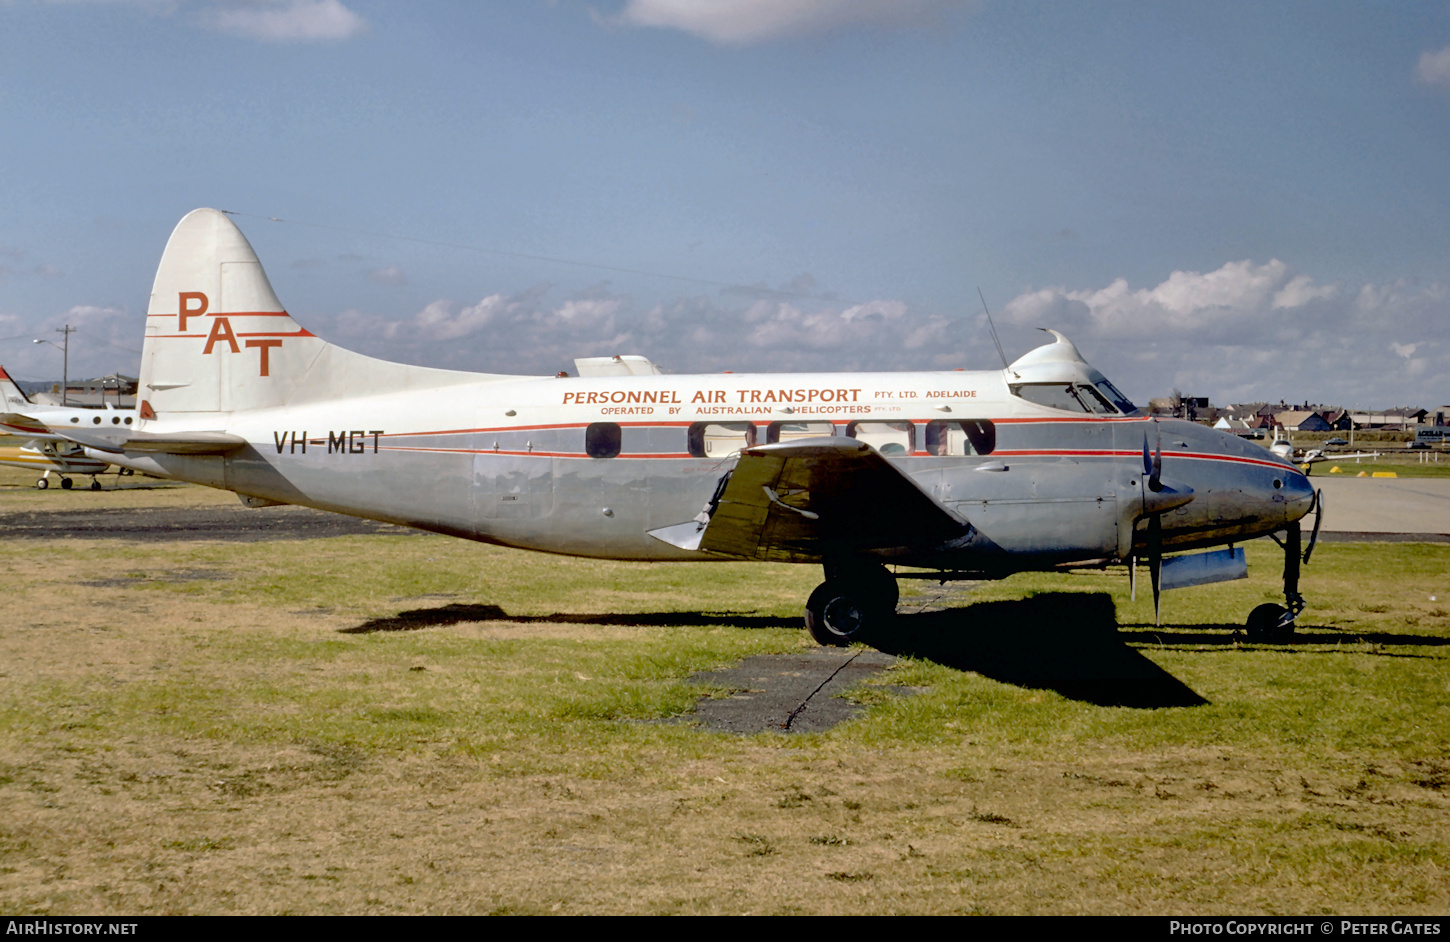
[{"x": 411, "y": 724}]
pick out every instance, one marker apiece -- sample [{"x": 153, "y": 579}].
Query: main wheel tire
[
  {"x": 66, "y": 483},
  {"x": 1269, "y": 622},
  {"x": 834, "y": 615}
]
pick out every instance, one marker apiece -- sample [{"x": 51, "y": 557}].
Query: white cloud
[
  {"x": 1188, "y": 301},
  {"x": 741, "y": 22},
  {"x": 530, "y": 333},
  {"x": 286, "y": 20},
  {"x": 1300, "y": 291},
  {"x": 1244, "y": 331},
  {"x": 1256, "y": 331},
  {"x": 1434, "y": 68}
]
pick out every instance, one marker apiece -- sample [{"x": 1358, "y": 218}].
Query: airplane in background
[
  {"x": 1041, "y": 466},
  {"x": 1307, "y": 458},
  {"x": 50, "y": 451}
]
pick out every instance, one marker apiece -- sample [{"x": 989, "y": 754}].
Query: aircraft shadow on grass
[
  {"x": 1065, "y": 642},
  {"x": 1308, "y": 639},
  {"x": 457, "y": 613}
]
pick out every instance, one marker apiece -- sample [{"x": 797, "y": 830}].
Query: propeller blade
[
  {"x": 1156, "y": 480},
  {"x": 1155, "y": 566}
]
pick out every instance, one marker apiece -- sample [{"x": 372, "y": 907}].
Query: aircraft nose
[{"x": 1298, "y": 495}]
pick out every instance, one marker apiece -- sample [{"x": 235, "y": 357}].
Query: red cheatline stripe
[
  {"x": 300, "y": 332},
  {"x": 229, "y": 314},
  {"x": 1066, "y": 418},
  {"x": 525, "y": 454},
  {"x": 1085, "y": 453}
]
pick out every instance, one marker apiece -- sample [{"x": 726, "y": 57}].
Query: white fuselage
[{"x": 508, "y": 460}]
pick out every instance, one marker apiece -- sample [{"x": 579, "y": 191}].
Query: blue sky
[{"x": 1239, "y": 200}]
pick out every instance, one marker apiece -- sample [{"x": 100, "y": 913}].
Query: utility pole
[{"x": 67, "y": 330}]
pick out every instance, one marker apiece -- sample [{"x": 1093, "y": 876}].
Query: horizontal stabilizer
[
  {"x": 127, "y": 441},
  {"x": 182, "y": 443}
]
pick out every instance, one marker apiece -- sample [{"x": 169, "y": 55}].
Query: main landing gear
[
  {"x": 65, "y": 482},
  {"x": 855, "y": 600}
]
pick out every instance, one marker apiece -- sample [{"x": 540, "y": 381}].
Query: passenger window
[
  {"x": 601, "y": 440},
  {"x": 976, "y": 437},
  {"x": 719, "y": 439},
  {"x": 792, "y": 431},
  {"x": 889, "y": 438}
]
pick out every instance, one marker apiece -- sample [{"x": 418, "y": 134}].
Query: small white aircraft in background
[
  {"x": 46, "y": 448},
  {"x": 1311, "y": 456},
  {"x": 1042, "y": 466}
]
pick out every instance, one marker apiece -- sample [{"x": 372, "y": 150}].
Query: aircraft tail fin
[
  {"x": 217, "y": 338},
  {"x": 218, "y": 341},
  {"x": 11, "y": 396}
]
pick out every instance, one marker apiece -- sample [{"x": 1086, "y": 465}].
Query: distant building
[
  {"x": 1338, "y": 419},
  {"x": 114, "y": 390},
  {"x": 1300, "y": 420},
  {"x": 1239, "y": 427},
  {"x": 1399, "y": 418}
]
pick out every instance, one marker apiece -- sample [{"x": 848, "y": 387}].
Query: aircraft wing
[
  {"x": 16, "y": 424},
  {"x": 805, "y": 500}
]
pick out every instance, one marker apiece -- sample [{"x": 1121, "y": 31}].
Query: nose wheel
[{"x": 1271, "y": 623}]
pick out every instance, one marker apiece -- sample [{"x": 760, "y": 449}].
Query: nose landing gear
[{"x": 1275, "y": 623}]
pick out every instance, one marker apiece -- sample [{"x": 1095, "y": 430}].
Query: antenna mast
[{"x": 993, "y": 326}]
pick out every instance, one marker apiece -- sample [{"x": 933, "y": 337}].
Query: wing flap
[{"x": 805, "y": 500}]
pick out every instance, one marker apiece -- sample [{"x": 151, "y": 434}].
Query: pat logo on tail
[{"x": 221, "y": 329}]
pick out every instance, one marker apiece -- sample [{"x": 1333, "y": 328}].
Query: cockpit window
[
  {"x": 1075, "y": 397},
  {"x": 1052, "y": 395},
  {"x": 1094, "y": 400},
  {"x": 1124, "y": 404}
]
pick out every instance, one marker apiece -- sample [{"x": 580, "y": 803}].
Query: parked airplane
[
  {"x": 1041, "y": 466},
  {"x": 1308, "y": 458},
  {"x": 45, "y": 450}
]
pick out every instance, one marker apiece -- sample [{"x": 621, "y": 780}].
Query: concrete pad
[
  {"x": 788, "y": 693},
  {"x": 1368, "y": 507}
]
